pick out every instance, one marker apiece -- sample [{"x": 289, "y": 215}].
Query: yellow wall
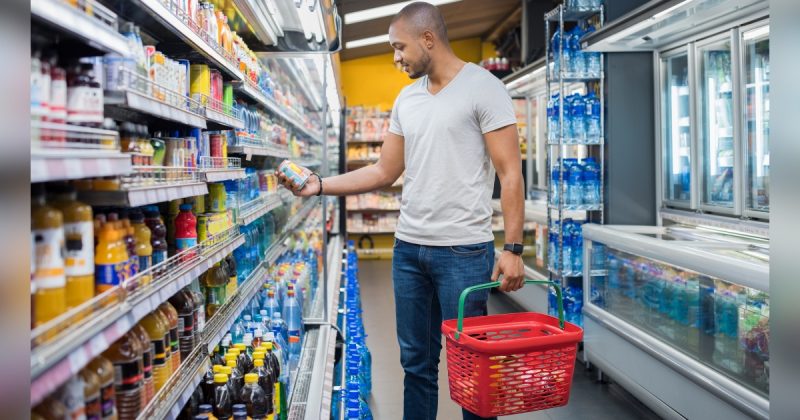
[
  {"x": 375, "y": 81},
  {"x": 487, "y": 50}
]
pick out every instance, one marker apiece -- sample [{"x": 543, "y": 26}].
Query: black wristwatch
[{"x": 514, "y": 248}]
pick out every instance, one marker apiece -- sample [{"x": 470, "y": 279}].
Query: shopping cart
[{"x": 513, "y": 363}]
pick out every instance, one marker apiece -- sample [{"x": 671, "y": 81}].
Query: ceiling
[{"x": 464, "y": 19}]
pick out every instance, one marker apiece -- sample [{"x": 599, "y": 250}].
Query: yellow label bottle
[
  {"x": 50, "y": 298},
  {"x": 144, "y": 249},
  {"x": 79, "y": 243},
  {"x": 111, "y": 259}
]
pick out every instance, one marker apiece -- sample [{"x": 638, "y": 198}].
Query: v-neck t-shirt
[{"x": 449, "y": 176}]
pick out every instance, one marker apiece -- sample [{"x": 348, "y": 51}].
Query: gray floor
[{"x": 588, "y": 399}]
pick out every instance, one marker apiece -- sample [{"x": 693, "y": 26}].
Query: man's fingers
[{"x": 496, "y": 272}]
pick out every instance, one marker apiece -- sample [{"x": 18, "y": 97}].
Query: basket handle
[{"x": 469, "y": 290}]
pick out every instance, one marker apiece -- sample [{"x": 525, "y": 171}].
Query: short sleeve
[
  {"x": 394, "y": 122},
  {"x": 493, "y": 107}
]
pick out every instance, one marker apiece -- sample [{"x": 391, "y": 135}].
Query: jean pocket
[{"x": 468, "y": 250}]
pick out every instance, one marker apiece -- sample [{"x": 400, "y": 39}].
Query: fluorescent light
[
  {"x": 756, "y": 33},
  {"x": 363, "y": 42},
  {"x": 669, "y": 9},
  {"x": 383, "y": 11}
]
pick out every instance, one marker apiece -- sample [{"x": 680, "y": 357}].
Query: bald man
[{"x": 450, "y": 130}]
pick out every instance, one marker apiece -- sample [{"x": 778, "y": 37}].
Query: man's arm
[
  {"x": 503, "y": 147},
  {"x": 382, "y": 174}
]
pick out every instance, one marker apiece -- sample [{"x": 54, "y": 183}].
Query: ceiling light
[
  {"x": 363, "y": 42},
  {"x": 383, "y": 11},
  {"x": 756, "y": 33}
]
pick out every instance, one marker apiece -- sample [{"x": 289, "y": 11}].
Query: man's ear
[{"x": 428, "y": 39}]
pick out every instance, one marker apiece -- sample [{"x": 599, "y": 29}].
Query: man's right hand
[{"x": 310, "y": 188}]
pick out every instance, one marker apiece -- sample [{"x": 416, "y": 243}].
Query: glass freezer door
[
  {"x": 756, "y": 124},
  {"x": 717, "y": 133},
  {"x": 677, "y": 129}
]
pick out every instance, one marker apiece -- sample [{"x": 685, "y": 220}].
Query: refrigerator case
[
  {"x": 755, "y": 51},
  {"x": 702, "y": 294},
  {"x": 677, "y": 128}
]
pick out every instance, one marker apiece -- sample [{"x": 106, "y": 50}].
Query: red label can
[{"x": 215, "y": 143}]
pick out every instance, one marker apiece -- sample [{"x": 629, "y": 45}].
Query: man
[{"x": 445, "y": 128}]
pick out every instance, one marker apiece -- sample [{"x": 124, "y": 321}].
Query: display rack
[
  {"x": 560, "y": 145},
  {"x": 217, "y": 169},
  {"x": 98, "y": 30},
  {"x": 140, "y": 196},
  {"x": 270, "y": 105},
  {"x": 63, "y": 346},
  {"x": 261, "y": 206}
]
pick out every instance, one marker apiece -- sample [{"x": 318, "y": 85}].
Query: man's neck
[{"x": 443, "y": 72}]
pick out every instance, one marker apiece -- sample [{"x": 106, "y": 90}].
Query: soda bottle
[
  {"x": 105, "y": 373},
  {"x": 199, "y": 306},
  {"x": 254, "y": 397},
  {"x": 185, "y": 229},
  {"x": 126, "y": 356},
  {"x": 79, "y": 253},
  {"x": 147, "y": 363},
  {"x": 235, "y": 378},
  {"x": 50, "y": 298},
  {"x": 294, "y": 352},
  {"x": 111, "y": 259},
  {"x": 130, "y": 245},
  {"x": 294, "y": 315},
  {"x": 158, "y": 234},
  {"x": 232, "y": 275},
  {"x": 144, "y": 247},
  {"x": 266, "y": 380},
  {"x": 158, "y": 333},
  {"x": 223, "y": 399},
  {"x": 184, "y": 305},
  {"x": 174, "y": 342}
]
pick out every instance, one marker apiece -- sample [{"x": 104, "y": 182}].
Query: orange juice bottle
[
  {"x": 105, "y": 371},
  {"x": 79, "y": 255},
  {"x": 147, "y": 363},
  {"x": 110, "y": 260},
  {"x": 47, "y": 226},
  {"x": 174, "y": 341},
  {"x": 157, "y": 331},
  {"x": 143, "y": 247}
]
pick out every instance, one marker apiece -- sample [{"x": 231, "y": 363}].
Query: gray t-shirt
[{"x": 449, "y": 177}]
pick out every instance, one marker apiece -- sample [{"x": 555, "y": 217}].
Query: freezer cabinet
[{"x": 696, "y": 304}]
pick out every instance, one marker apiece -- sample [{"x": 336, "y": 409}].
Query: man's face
[{"x": 409, "y": 50}]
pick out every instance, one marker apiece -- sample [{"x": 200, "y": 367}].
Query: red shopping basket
[{"x": 507, "y": 364}]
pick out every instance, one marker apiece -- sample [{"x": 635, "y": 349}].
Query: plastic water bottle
[
  {"x": 577, "y": 63},
  {"x": 294, "y": 353},
  {"x": 294, "y": 315},
  {"x": 591, "y": 59},
  {"x": 566, "y": 238},
  {"x": 591, "y": 182},
  {"x": 553, "y": 118},
  {"x": 592, "y": 118},
  {"x": 237, "y": 332},
  {"x": 555, "y": 184},
  {"x": 577, "y": 248},
  {"x": 578, "y": 119},
  {"x": 574, "y": 183},
  {"x": 555, "y": 48},
  {"x": 278, "y": 327}
]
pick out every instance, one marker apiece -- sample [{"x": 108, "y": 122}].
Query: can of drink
[
  {"x": 216, "y": 192},
  {"x": 215, "y": 144},
  {"x": 297, "y": 176}
]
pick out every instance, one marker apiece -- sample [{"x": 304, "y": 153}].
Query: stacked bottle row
[
  {"x": 577, "y": 63},
  {"x": 121, "y": 382},
  {"x": 357, "y": 360},
  {"x": 567, "y": 259},
  {"x": 573, "y": 304},
  {"x": 577, "y": 183},
  {"x": 581, "y": 119}
]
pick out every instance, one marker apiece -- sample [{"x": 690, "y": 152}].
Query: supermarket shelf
[
  {"x": 119, "y": 105},
  {"x": 273, "y": 150},
  {"x": 223, "y": 119},
  {"x": 570, "y": 15},
  {"x": 301, "y": 215},
  {"x": 64, "y": 164},
  {"x": 71, "y": 349},
  {"x": 270, "y": 105},
  {"x": 365, "y": 141},
  {"x": 140, "y": 196},
  {"x": 90, "y": 29},
  {"x": 572, "y": 142},
  {"x": 566, "y": 78},
  {"x": 309, "y": 163},
  {"x": 373, "y": 210},
  {"x": 219, "y": 175},
  {"x": 264, "y": 206},
  {"x": 170, "y": 399},
  {"x": 377, "y": 253},
  {"x": 577, "y": 207}
]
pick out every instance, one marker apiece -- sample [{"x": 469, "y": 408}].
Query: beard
[{"x": 421, "y": 68}]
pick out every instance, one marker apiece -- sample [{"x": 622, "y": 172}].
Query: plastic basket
[{"x": 514, "y": 363}]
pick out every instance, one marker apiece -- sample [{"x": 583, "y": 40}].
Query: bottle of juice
[
  {"x": 266, "y": 380},
  {"x": 105, "y": 373},
  {"x": 184, "y": 304},
  {"x": 126, "y": 269},
  {"x": 215, "y": 280},
  {"x": 223, "y": 399},
  {"x": 173, "y": 210},
  {"x": 158, "y": 335},
  {"x": 79, "y": 254},
  {"x": 144, "y": 248},
  {"x": 235, "y": 380},
  {"x": 159, "y": 234},
  {"x": 185, "y": 229},
  {"x": 199, "y": 306},
  {"x": 91, "y": 393},
  {"x": 110, "y": 259},
  {"x": 147, "y": 363},
  {"x": 174, "y": 347},
  {"x": 130, "y": 246},
  {"x": 126, "y": 356},
  {"x": 50, "y": 299},
  {"x": 232, "y": 277}
]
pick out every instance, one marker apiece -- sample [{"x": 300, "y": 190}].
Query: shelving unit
[
  {"x": 66, "y": 164},
  {"x": 98, "y": 31},
  {"x": 262, "y": 206},
  {"x": 140, "y": 196}
]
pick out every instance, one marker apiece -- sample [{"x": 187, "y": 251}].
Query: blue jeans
[{"x": 428, "y": 281}]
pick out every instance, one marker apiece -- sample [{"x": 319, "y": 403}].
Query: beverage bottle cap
[
  {"x": 250, "y": 378},
  {"x": 227, "y": 370},
  {"x": 240, "y": 346},
  {"x": 294, "y": 339},
  {"x": 230, "y": 363},
  {"x": 259, "y": 355},
  {"x": 220, "y": 378},
  {"x": 217, "y": 368},
  {"x": 258, "y": 362},
  {"x": 267, "y": 345}
]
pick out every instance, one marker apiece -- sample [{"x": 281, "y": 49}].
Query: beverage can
[
  {"x": 297, "y": 175},
  {"x": 216, "y": 192},
  {"x": 215, "y": 144}
]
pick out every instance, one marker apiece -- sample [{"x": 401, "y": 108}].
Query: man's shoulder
[
  {"x": 411, "y": 88},
  {"x": 478, "y": 74}
]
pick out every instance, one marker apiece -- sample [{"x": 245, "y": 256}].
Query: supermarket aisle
[{"x": 386, "y": 401}]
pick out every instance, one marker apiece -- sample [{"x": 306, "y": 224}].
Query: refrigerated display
[
  {"x": 696, "y": 296},
  {"x": 677, "y": 128},
  {"x": 755, "y": 46}
]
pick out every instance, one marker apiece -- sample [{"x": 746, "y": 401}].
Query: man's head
[{"x": 417, "y": 34}]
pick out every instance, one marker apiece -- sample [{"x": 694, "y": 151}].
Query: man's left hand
[{"x": 513, "y": 270}]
